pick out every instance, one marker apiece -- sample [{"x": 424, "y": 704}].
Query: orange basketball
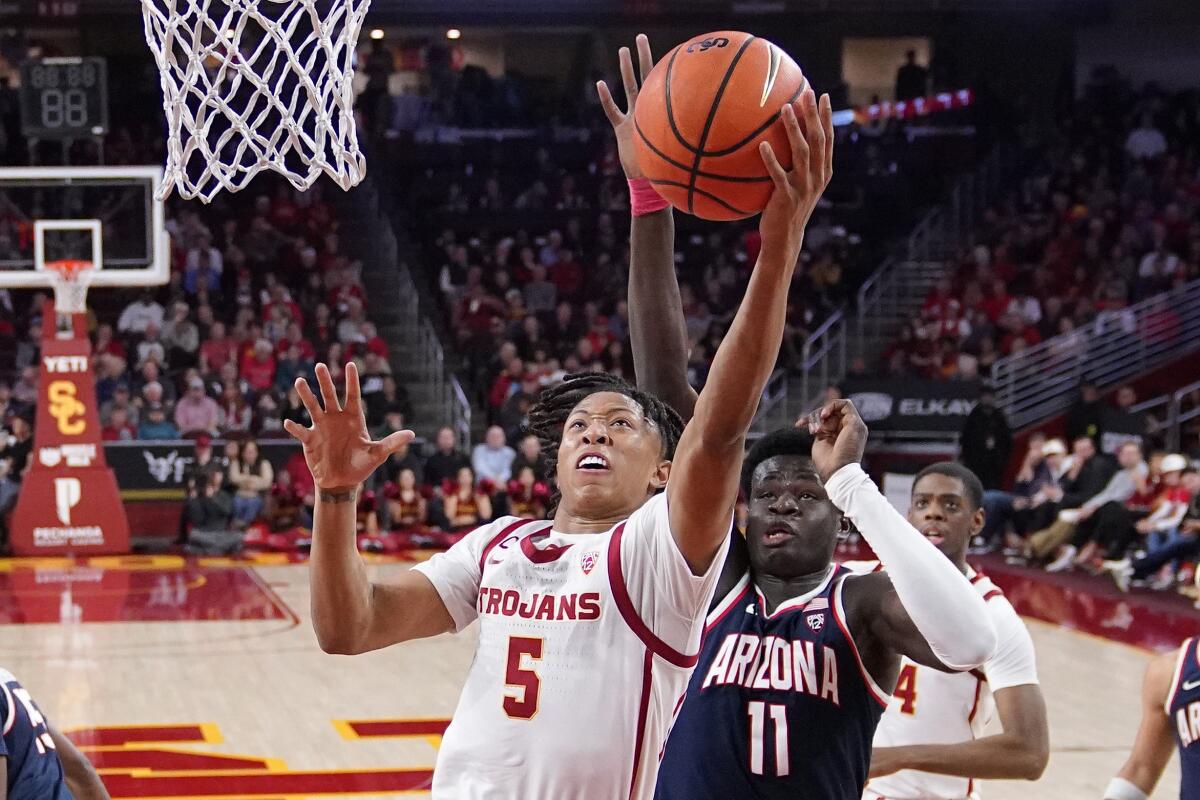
[{"x": 701, "y": 114}]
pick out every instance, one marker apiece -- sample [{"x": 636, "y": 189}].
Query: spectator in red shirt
[
  {"x": 566, "y": 274},
  {"x": 600, "y": 336},
  {"x": 118, "y": 428},
  {"x": 505, "y": 384},
  {"x": 258, "y": 370},
  {"x": 218, "y": 349},
  {"x": 997, "y": 300},
  {"x": 1015, "y": 328}
]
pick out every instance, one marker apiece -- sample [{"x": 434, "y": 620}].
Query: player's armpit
[
  {"x": 882, "y": 629},
  {"x": 1153, "y": 746},
  {"x": 82, "y": 778}
]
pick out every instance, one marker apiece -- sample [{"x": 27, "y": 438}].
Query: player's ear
[
  {"x": 977, "y": 521},
  {"x": 658, "y": 479}
]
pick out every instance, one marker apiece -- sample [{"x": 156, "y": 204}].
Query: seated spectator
[
  {"x": 119, "y": 428},
  {"x": 301, "y": 481},
  {"x": 196, "y": 412},
  {"x": 141, "y": 313},
  {"x": 151, "y": 347},
  {"x": 266, "y": 422},
  {"x": 208, "y": 506},
  {"x": 252, "y": 476},
  {"x": 236, "y": 415},
  {"x": 285, "y": 505},
  {"x": 388, "y": 400},
  {"x": 530, "y": 455},
  {"x": 1042, "y": 468},
  {"x": 527, "y": 496},
  {"x": 1086, "y": 477},
  {"x": 1156, "y": 567},
  {"x": 290, "y": 366},
  {"x": 492, "y": 459},
  {"x": 1121, "y": 526},
  {"x": 467, "y": 506},
  {"x": 16, "y": 443},
  {"x": 407, "y": 510},
  {"x": 181, "y": 338},
  {"x": 1102, "y": 514},
  {"x": 258, "y": 367},
  {"x": 400, "y": 460},
  {"x": 155, "y": 425},
  {"x": 218, "y": 349},
  {"x": 120, "y": 399},
  {"x": 447, "y": 460}
]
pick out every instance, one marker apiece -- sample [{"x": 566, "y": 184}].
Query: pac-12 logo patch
[
  {"x": 816, "y": 621},
  {"x": 587, "y": 562}
]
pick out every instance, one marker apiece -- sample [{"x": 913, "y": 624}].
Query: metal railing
[
  {"x": 1177, "y": 408},
  {"x": 432, "y": 371},
  {"x": 893, "y": 292},
  {"x": 1117, "y": 345}
]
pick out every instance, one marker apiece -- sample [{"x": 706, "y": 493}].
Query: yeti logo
[
  {"x": 873, "y": 406},
  {"x": 705, "y": 44},
  {"x": 169, "y": 468}
]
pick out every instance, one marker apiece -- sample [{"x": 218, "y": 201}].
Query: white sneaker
[
  {"x": 1064, "y": 562},
  {"x": 1121, "y": 572}
]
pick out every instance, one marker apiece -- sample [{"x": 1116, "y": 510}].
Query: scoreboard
[{"x": 64, "y": 98}]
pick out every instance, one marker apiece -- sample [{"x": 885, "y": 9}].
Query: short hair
[
  {"x": 972, "y": 486},
  {"x": 781, "y": 442},
  {"x": 548, "y": 416}
]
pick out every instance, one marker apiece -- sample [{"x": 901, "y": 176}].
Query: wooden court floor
[{"x": 206, "y": 681}]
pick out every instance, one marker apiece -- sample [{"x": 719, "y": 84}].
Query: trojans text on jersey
[{"x": 584, "y": 606}]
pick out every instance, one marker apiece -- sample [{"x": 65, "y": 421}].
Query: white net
[
  {"x": 252, "y": 85},
  {"x": 70, "y": 279}
]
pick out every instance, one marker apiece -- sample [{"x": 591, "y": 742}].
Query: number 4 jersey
[
  {"x": 34, "y": 771},
  {"x": 779, "y": 705},
  {"x": 585, "y": 645},
  {"x": 932, "y": 707}
]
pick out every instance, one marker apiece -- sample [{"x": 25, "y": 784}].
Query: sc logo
[{"x": 705, "y": 44}]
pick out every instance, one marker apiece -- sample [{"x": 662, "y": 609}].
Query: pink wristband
[{"x": 643, "y": 199}]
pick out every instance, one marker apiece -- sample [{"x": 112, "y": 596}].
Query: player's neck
[
  {"x": 779, "y": 590},
  {"x": 566, "y": 522}
]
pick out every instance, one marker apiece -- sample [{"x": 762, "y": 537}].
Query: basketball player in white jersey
[
  {"x": 929, "y": 743},
  {"x": 1170, "y": 721},
  {"x": 589, "y": 624}
]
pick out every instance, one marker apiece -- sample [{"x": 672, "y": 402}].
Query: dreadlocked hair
[{"x": 549, "y": 415}]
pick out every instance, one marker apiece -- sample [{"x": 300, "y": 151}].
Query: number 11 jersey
[
  {"x": 586, "y": 642},
  {"x": 779, "y": 705}
]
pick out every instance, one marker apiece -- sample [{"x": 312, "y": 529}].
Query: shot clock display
[{"x": 64, "y": 98}]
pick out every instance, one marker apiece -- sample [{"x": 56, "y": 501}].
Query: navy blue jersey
[
  {"x": 779, "y": 706},
  {"x": 34, "y": 771},
  {"x": 1183, "y": 709}
]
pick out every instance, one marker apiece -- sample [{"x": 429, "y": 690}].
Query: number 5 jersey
[{"x": 586, "y": 642}]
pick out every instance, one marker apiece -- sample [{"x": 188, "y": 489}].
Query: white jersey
[
  {"x": 933, "y": 707},
  {"x": 586, "y": 643}
]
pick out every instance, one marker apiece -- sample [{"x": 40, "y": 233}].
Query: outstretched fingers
[
  {"x": 779, "y": 175},
  {"x": 614, "y": 114},
  {"x": 814, "y": 133},
  {"x": 799, "y": 176},
  {"x": 315, "y": 412},
  {"x": 645, "y": 59},
  {"x": 628, "y": 78},
  {"x": 353, "y": 388},
  {"x": 298, "y": 431},
  {"x": 394, "y": 441},
  {"x": 328, "y": 392},
  {"x": 827, "y": 126}
]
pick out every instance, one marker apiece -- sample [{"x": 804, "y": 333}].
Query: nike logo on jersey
[{"x": 1189, "y": 685}]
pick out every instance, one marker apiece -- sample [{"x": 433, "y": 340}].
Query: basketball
[{"x": 701, "y": 114}]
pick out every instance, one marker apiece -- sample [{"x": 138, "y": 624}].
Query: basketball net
[
  {"x": 70, "y": 279},
  {"x": 252, "y": 85}
]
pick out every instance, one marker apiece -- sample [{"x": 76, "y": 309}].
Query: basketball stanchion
[{"x": 69, "y": 502}]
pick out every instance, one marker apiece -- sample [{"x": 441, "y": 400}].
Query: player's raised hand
[
  {"x": 809, "y": 126},
  {"x": 339, "y": 450},
  {"x": 840, "y": 436},
  {"x": 622, "y": 122}
]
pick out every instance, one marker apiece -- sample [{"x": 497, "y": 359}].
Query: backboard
[{"x": 106, "y": 215}]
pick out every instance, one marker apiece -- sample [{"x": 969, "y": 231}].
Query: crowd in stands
[
  {"x": 1106, "y": 498},
  {"x": 1107, "y": 217}
]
